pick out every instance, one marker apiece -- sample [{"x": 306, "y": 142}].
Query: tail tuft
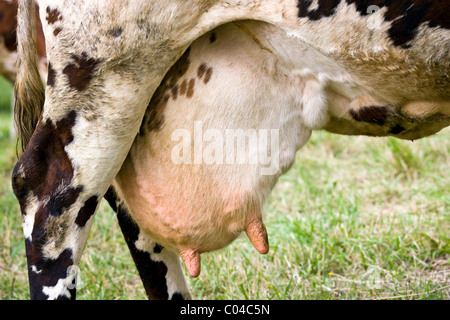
[{"x": 29, "y": 90}]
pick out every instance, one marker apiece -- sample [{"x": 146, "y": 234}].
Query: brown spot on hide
[
  {"x": 190, "y": 89},
  {"x": 86, "y": 211},
  {"x": 201, "y": 70},
  {"x": 175, "y": 91},
  {"x": 158, "y": 248},
  {"x": 62, "y": 200},
  {"x": 324, "y": 9},
  {"x": 183, "y": 88},
  {"x": 208, "y": 75},
  {"x": 169, "y": 87},
  {"x": 115, "y": 32},
  {"x": 371, "y": 114},
  {"x": 57, "y": 31},
  {"x": 53, "y": 15},
  {"x": 81, "y": 72},
  {"x": 51, "y": 75}
]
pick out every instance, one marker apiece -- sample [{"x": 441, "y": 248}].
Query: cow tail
[{"x": 29, "y": 90}]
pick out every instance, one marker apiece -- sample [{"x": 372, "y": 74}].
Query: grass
[{"x": 355, "y": 218}]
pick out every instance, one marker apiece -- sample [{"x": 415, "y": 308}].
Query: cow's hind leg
[
  {"x": 99, "y": 85},
  {"x": 67, "y": 167},
  {"x": 159, "y": 268},
  {"x": 76, "y": 150}
]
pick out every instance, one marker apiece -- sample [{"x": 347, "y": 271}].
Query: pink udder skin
[{"x": 191, "y": 213}]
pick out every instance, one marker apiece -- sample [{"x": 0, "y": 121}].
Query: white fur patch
[
  {"x": 315, "y": 113},
  {"x": 60, "y": 289},
  {"x": 28, "y": 219},
  {"x": 35, "y": 270}
]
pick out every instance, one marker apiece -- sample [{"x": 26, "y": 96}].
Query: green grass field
[{"x": 355, "y": 218}]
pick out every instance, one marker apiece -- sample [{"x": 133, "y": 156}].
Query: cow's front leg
[
  {"x": 159, "y": 268},
  {"x": 99, "y": 84}
]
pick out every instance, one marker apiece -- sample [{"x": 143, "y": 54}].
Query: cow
[
  {"x": 127, "y": 77},
  {"x": 8, "y": 46}
]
